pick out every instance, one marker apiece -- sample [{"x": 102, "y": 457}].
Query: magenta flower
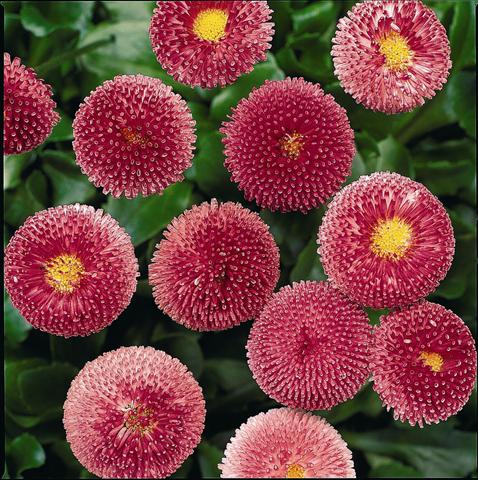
[
  {"x": 390, "y": 55},
  {"x": 288, "y": 145},
  {"x": 386, "y": 241},
  {"x": 28, "y": 108},
  {"x": 216, "y": 267},
  {"x": 133, "y": 136},
  {"x": 309, "y": 346},
  {"x": 134, "y": 412},
  {"x": 423, "y": 361},
  {"x": 70, "y": 270},
  {"x": 284, "y": 443},
  {"x": 210, "y": 43}
]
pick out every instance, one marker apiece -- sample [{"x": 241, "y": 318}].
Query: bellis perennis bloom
[
  {"x": 390, "y": 55},
  {"x": 134, "y": 412}
]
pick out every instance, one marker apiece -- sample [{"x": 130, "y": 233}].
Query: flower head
[
  {"x": 210, "y": 43},
  {"x": 288, "y": 145},
  {"x": 70, "y": 270},
  {"x": 423, "y": 362},
  {"x": 134, "y": 412},
  {"x": 309, "y": 346},
  {"x": 216, "y": 267},
  {"x": 390, "y": 55},
  {"x": 285, "y": 443},
  {"x": 28, "y": 108},
  {"x": 133, "y": 135},
  {"x": 386, "y": 241}
]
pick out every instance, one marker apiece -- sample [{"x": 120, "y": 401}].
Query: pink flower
[
  {"x": 134, "y": 412},
  {"x": 215, "y": 268},
  {"x": 133, "y": 135},
  {"x": 210, "y": 43},
  {"x": 386, "y": 241},
  {"x": 423, "y": 361},
  {"x": 390, "y": 55},
  {"x": 288, "y": 145},
  {"x": 284, "y": 443},
  {"x": 28, "y": 108},
  {"x": 309, "y": 346},
  {"x": 70, "y": 270}
]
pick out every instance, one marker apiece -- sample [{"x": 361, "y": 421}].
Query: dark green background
[{"x": 76, "y": 46}]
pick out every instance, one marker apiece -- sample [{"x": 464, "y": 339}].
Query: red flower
[
  {"x": 423, "y": 362},
  {"x": 28, "y": 108},
  {"x": 216, "y": 267},
  {"x": 390, "y": 55},
  {"x": 308, "y": 348},
  {"x": 133, "y": 135},
  {"x": 70, "y": 270},
  {"x": 284, "y": 443},
  {"x": 210, "y": 43},
  {"x": 288, "y": 145},
  {"x": 386, "y": 241},
  {"x": 134, "y": 412}
]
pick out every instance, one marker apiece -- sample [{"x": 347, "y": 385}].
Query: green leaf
[
  {"x": 69, "y": 184},
  {"x": 32, "y": 382},
  {"x": 385, "y": 467},
  {"x": 63, "y": 130},
  {"x": 462, "y": 35},
  {"x": 144, "y": 217},
  {"x": 230, "y": 96},
  {"x": 394, "y": 157},
  {"x": 308, "y": 265},
  {"x": 13, "y": 166},
  {"x": 209, "y": 459},
  {"x": 26, "y": 453},
  {"x": 28, "y": 198},
  {"x": 42, "y": 18},
  {"x": 16, "y": 328},
  {"x": 316, "y": 17},
  {"x": 136, "y": 10},
  {"x": 228, "y": 373},
  {"x": 281, "y": 17},
  {"x": 77, "y": 350},
  {"x": 462, "y": 94},
  {"x": 435, "y": 450}
]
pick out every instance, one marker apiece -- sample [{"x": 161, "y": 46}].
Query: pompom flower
[
  {"x": 423, "y": 362},
  {"x": 133, "y": 136},
  {"x": 288, "y": 145},
  {"x": 309, "y": 346},
  {"x": 216, "y": 267},
  {"x": 134, "y": 412},
  {"x": 284, "y": 443},
  {"x": 390, "y": 55},
  {"x": 70, "y": 270},
  {"x": 28, "y": 108},
  {"x": 386, "y": 241},
  {"x": 210, "y": 43}
]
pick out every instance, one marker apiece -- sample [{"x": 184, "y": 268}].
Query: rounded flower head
[
  {"x": 423, "y": 362},
  {"x": 285, "y": 443},
  {"x": 210, "y": 43},
  {"x": 309, "y": 346},
  {"x": 390, "y": 55},
  {"x": 134, "y": 412},
  {"x": 70, "y": 270},
  {"x": 216, "y": 267},
  {"x": 28, "y": 108},
  {"x": 288, "y": 145},
  {"x": 386, "y": 241},
  {"x": 133, "y": 135}
]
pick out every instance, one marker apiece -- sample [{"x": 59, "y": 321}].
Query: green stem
[{"x": 55, "y": 62}]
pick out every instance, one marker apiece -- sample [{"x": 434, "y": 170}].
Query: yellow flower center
[
  {"x": 396, "y": 51},
  {"x": 210, "y": 24},
  {"x": 139, "y": 419},
  {"x": 133, "y": 137},
  {"x": 391, "y": 239},
  {"x": 432, "y": 360},
  {"x": 64, "y": 272},
  {"x": 291, "y": 144},
  {"x": 295, "y": 471}
]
